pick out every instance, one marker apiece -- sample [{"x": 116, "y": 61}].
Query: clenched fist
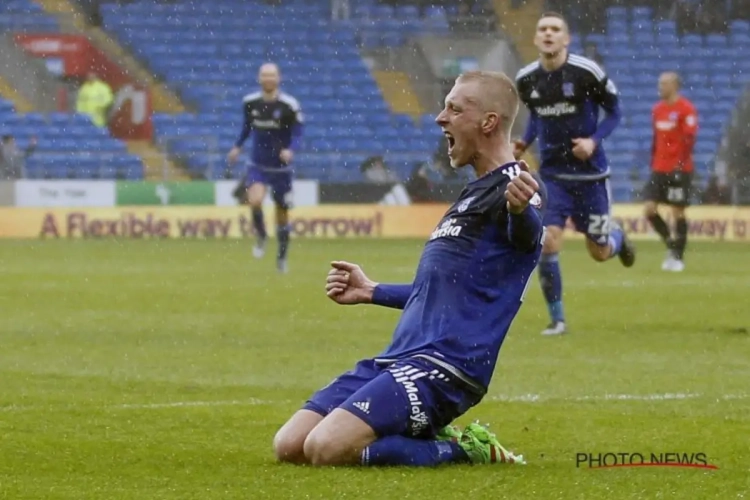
[
  {"x": 521, "y": 190},
  {"x": 347, "y": 284}
]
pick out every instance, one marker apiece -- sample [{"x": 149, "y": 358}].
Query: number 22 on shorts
[{"x": 598, "y": 224}]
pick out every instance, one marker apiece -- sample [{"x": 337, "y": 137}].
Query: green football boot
[
  {"x": 449, "y": 433},
  {"x": 482, "y": 447}
]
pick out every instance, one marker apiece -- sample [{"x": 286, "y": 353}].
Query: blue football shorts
[
  {"x": 280, "y": 183},
  {"x": 411, "y": 397},
  {"x": 586, "y": 203}
]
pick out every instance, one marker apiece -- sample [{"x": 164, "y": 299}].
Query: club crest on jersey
[
  {"x": 276, "y": 114},
  {"x": 465, "y": 204},
  {"x": 536, "y": 201},
  {"x": 568, "y": 89}
]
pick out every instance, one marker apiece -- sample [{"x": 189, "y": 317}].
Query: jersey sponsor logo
[
  {"x": 465, "y": 204},
  {"x": 266, "y": 124},
  {"x": 557, "y": 109},
  {"x": 446, "y": 229},
  {"x": 406, "y": 376},
  {"x": 665, "y": 125}
]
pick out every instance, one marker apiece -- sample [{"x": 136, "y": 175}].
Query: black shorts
[{"x": 669, "y": 189}]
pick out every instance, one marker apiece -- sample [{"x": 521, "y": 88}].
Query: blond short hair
[{"x": 497, "y": 94}]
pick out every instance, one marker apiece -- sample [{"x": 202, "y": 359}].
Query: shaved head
[
  {"x": 669, "y": 85},
  {"x": 477, "y": 119},
  {"x": 493, "y": 93},
  {"x": 269, "y": 77}
]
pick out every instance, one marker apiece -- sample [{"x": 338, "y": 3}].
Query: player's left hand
[
  {"x": 286, "y": 156},
  {"x": 520, "y": 190},
  {"x": 583, "y": 148}
]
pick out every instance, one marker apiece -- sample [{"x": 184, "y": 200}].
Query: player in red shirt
[{"x": 675, "y": 125}]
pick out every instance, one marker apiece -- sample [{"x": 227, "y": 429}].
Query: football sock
[
  {"x": 551, "y": 280},
  {"x": 681, "y": 228},
  {"x": 282, "y": 233},
  {"x": 615, "y": 241},
  {"x": 259, "y": 224},
  {"x": 401, "y": 450},
  {"x": 660, "y": 227}
]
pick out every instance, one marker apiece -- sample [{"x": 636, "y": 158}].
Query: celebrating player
[
  {"x": 564, "y": 93},
  {"x": 396, "y": 409},
  {"x": 275, "y": 119},
  {"x": 675, "y": 125}
]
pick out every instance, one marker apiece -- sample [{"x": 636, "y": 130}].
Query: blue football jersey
[
  {"x": 564, "y": 104},
  {"x": 275, "y": 125},
  {"x": 469, "y": 283}
]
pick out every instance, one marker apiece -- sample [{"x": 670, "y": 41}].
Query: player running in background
[
  {"x": 275, "y": 120},
  {"x": 675, "y": 125},
  {"x": 564, "y": 93},
  {"x": 396, "y": 409}
]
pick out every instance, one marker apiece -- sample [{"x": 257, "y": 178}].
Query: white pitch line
[
  {"x": 182, "y": 404},
  {"x": 523, "y": 398},
  {"x": 537, "y": 398}
]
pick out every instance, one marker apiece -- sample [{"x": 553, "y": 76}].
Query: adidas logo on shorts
[{"x": 363, "y": 406}]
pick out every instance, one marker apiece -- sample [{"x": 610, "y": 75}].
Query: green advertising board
[{"x": 165, "y": 193}]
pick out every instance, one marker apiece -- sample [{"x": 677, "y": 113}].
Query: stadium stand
[
  {"x": 211, "y": 53},
  {"x": 635, "y": 49},
  {"x": 25, "y": 15},
  {"x": 69, "y": 145}
]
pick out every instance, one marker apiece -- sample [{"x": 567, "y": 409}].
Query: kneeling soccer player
[{"x": 396, "y": 409}]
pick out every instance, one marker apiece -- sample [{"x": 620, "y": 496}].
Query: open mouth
[
  {"x": 548, "y": 44},
  {"x": 451, "y": 141}
]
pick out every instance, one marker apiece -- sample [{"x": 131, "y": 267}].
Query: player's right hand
[
  {"x": 347, "y": 284},
  {"x": 520, "y": 190},
  {"x": 519, "y": 147},
  {"x": 234, "y": 153}
]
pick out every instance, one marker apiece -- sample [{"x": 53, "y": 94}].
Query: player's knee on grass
[
  {"x": 289, "y": 441},
  {"x": 552, "y": 240},
  {"x": 338, "y": 440}
]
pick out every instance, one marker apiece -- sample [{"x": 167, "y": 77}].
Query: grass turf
[{"x": 132, "y": 370}]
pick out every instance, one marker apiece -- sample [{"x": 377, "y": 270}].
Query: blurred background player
[
  {"x": 675, "y": 125},
  {"x": 275, "y": 120},
  {"x": 564, "y": 93}
]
